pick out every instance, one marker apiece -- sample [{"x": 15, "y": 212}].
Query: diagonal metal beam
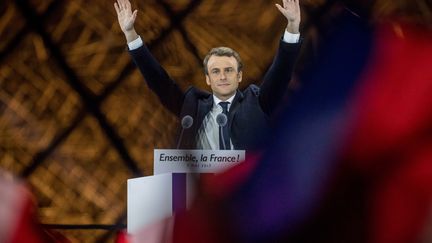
[
  {"x": 177, "y": 21},
  {"x": 19, "y": 36},
  {"x": 88, "y": 99},
  {"x": 59, "y": 138},
  {"x": 192, "y": 48}
]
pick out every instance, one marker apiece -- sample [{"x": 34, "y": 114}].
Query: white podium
[{"x": 154, "y": 198}]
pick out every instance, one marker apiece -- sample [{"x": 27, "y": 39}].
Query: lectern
[{"x": 153, "y": 198}]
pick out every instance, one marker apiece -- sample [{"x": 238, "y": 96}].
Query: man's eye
[
  {"x": 215, "y": 71},
  {"x": 229, "y": 70}
]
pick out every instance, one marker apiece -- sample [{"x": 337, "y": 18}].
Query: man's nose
[{"x": 223, "y": 75}]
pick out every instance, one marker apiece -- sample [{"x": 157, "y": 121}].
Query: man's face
[{"x": 223, "y": 77}]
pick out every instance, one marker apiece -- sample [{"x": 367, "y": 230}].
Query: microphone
[
  {"x": 186, "y": 123},
  {"x": 221, "y": 120}
]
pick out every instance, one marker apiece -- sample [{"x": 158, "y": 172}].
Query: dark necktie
[{"x": 224, "y": 130}]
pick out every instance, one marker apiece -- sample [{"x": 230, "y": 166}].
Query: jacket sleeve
[
  {"x": 277, "y": 78},
  {"x": 157, "y": 79}
]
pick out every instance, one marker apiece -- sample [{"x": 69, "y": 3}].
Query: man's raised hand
[
  {"x": 291, "y": 11},
  {"x": 125, "y": 16}
]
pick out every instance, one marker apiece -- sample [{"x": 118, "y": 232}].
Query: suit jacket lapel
[
  {"x": 233, "y": 109},
  {"x": 204, "y": 106}
]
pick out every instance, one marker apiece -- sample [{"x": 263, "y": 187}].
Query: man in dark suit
[{"x": 247, "y": 112}]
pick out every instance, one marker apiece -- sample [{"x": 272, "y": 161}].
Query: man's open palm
[
  {"x": 291, "y": 10},
  {"x": 125, "y": 16}
]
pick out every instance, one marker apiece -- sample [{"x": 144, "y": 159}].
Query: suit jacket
[{"x": 249, "y": 114}]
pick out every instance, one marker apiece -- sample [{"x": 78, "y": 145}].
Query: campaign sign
[{"x": 195, "y": 161}]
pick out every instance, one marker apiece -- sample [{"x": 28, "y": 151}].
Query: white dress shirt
[{"x": 208, "y": 133}]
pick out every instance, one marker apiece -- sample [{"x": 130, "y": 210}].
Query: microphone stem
[
  {"x": 223, "y": 139},
  {"x": 180, "y": 138}
]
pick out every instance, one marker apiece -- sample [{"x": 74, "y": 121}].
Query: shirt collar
[{"x": 216, "y": 100}]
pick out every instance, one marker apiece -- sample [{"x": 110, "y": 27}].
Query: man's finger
[
  {"x": 116, "y": 8},
  {"x": 297, "y": 3},
  {"x": 282, "y": 10},
  {"x": 122, "y": 4},
  {"x": 134, "y": 15},
  {"x": 128, "y": 4}
]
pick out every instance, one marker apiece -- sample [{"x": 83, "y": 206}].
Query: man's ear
[
  {"x": 239, "y": 76},
  {"x": 207, "y": 80}
]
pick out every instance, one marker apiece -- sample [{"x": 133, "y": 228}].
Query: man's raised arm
[
  {"x": 157, "y": 79},
  {"x": 275, "y": 82}
]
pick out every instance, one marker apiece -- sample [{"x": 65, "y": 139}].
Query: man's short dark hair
[{"x": 221, "y": 52}]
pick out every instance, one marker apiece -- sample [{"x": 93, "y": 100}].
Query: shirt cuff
[
  {"x": 290, "y": 37},
  {"x": 135, "y": 44}
]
